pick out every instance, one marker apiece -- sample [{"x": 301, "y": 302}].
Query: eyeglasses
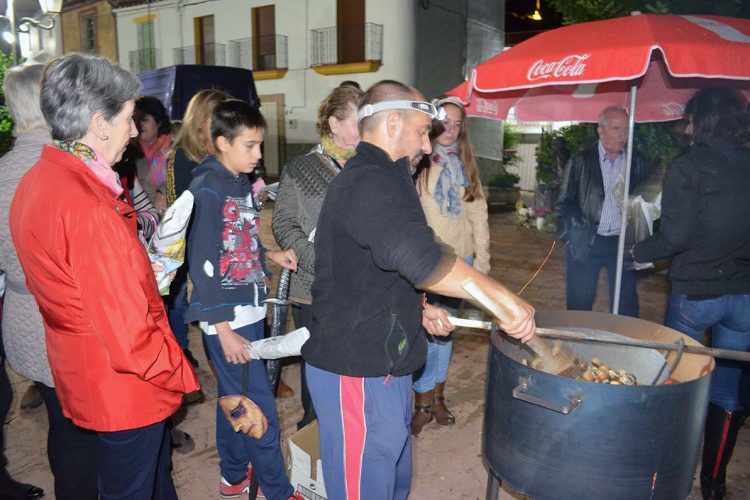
[{"x": 424, "y": 107}]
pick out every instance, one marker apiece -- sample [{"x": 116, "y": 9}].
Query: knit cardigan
[
  {"x": 302, "y": 189},
  {"x": 23, "y": 329}
]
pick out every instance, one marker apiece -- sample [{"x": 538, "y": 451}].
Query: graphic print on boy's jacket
[{"x": 240, "y": 259}]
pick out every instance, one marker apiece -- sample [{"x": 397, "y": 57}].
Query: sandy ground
[{"x": 447, "y": 460}]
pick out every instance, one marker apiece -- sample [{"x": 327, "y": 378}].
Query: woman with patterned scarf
[
  {"x": 302, "y": 188},
  {"x": 155, "y": 139},
  {"x": 455, "y": 207}
]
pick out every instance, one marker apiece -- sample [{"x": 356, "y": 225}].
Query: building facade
[
  {"x": 89, "y": 26},
  {"x": 299, "y": 50}
]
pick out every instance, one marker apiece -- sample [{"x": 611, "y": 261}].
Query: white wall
[
  {"x": 50, "y": 48},
  {"x": 167, "y": 33},
  {"x": 302, "y": 87}
]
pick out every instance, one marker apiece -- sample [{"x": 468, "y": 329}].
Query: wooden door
[
  {"x": 264, "y": 37},
  {"x": 205, "y": 42},
  {"x": 350, "y": 30}
]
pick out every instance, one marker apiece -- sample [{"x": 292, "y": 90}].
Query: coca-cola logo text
[
  {"x": 572, "y": 65},
  {"x": 486, "y": 107}
]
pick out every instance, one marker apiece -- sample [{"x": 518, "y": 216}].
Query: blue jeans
[
  {"x": 176, "y": 304},
  {"x": 135, "y": 464},
  {"x": 237, "y": 450},
  {"x": 582, "y": 278},
  {"x": 435, "y": 369},
  {"x": 439, "y": 349},
  {"x": 728, "y": 317}
]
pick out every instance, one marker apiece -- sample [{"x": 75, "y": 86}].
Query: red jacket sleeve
[{"x": 120, "y": 297}]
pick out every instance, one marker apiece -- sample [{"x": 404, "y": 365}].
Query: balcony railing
[
  {"x": 210, "y": 54},
  {"x": 142, "y": 60},
  {"x": 517, "y": 37},
  {"x": 258, "y": 53},
  {"x": 347, "y": 44}
]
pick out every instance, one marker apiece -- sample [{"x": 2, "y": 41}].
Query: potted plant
[{"x": 502, "y": 187}]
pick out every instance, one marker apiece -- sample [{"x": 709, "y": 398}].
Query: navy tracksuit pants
[{"x": 365, "y": 443}]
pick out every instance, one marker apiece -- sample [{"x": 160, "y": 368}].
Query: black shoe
[
  {"x": 192, "y": 398},
  {"x": 11, "y": 489},
  {"x": 190, "y": 357},
  {"x": 306, "y": 419},
  {"x": 182, "y": 442},
  {"x": 31, "y": 398},
  {"x": 722, "y": 427}
]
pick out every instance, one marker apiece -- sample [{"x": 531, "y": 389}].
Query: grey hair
[
  {"x": 22, "y": 86},
  {"x": 76, "y": 86},
  {"x": 606, "y": 111},
  {"x": 385, "y": 90}
]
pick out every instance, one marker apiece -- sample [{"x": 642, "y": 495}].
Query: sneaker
[{"x": 227, "y": 490}]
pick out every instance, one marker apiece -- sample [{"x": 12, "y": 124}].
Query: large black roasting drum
[{"x": 554, "y": 437}]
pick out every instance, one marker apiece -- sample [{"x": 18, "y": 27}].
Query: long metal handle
[
  {"x": 645, "y": 344},
  {"x": 520, "y": 393},
  {"x": 629, "y": 342}
]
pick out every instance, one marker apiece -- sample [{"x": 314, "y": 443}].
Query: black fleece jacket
[
  {"x": 705, "y": 222},
  {"x": 372, "y": 247}
]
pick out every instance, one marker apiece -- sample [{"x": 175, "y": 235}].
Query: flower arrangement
[{"x": 542, "y": 218}]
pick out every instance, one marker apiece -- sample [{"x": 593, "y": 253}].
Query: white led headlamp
[{"x": 421, "y": 106}]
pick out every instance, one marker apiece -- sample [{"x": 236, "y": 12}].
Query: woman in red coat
[{"x": 115, "y": 362}]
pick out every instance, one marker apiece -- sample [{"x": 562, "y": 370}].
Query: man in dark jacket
[
  {"x": 373, "y": 248},
  {"x": 588, "y": 214}
]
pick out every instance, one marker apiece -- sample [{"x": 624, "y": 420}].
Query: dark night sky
[{"x": 517, "y": 10}]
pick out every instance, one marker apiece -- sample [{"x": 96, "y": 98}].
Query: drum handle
[{"x": 520, "y": 392}]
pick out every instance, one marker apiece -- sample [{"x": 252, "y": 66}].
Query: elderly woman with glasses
[
  {"x": 72, "y": 451},
  {"x": 116, "y": 365}
]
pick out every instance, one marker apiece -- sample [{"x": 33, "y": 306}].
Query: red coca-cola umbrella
[{"x": 572, "y": 73}]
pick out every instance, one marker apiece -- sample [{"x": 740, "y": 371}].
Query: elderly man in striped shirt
[{"x": 588, "y": 214}]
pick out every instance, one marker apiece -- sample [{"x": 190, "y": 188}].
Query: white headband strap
[{"x": 421, "y": 106}]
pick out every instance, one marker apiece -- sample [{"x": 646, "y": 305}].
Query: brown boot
[
  {"x": 442, "y": 414},
  {"x": 283, "y": 390},
  {"x": 422, "y": 411}
]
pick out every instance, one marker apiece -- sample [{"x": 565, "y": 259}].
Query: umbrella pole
[{"x": 625, "y": 197}]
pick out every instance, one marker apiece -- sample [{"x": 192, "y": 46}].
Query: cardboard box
[{"x": 303, "y": 465}]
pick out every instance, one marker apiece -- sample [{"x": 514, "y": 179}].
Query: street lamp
[{"x": 50, "y": 8}]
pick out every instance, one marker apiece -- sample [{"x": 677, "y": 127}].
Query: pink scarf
[{"x": 96, "y": 163}]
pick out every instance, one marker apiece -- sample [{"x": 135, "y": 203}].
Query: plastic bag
[
  {"x": 282, "y": 346},
  {"x": 167, "y": 245}
]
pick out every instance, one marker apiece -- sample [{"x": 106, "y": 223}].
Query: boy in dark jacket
[{"x": 225, "y": 261}]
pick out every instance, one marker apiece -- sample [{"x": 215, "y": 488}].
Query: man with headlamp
[{"x": 374, "y": 254}]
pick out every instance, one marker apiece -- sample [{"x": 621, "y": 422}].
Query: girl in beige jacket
[{"x": 455, "y": 207}]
